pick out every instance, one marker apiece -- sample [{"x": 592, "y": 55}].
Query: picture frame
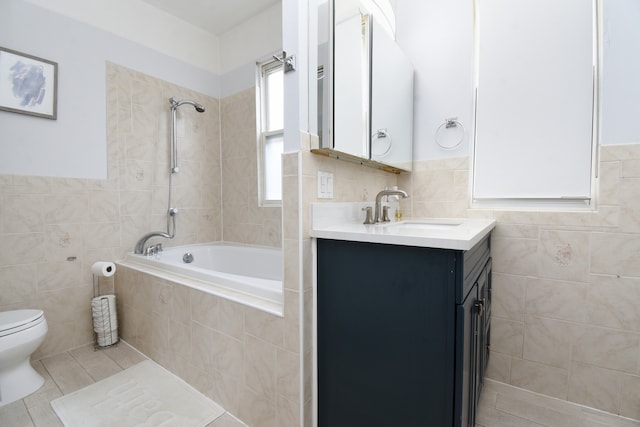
[{"x": 28, "y": 84}]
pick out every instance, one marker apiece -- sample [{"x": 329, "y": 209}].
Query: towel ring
[
  {"x": 380, "y": 135},
  {"x": 452, "y": 122}
]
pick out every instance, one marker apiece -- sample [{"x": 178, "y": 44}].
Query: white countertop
[{"x": 443, "y": 233}]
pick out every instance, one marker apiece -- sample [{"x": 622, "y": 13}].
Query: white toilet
[{"x": 21, "y": 333}]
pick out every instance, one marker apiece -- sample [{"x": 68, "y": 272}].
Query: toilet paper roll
[
  {"x": 104, "y": 313},
  {"x": 103, "y": 268}
]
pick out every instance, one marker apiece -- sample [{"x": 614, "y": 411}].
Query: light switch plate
[{"x": 325, "y": 185}]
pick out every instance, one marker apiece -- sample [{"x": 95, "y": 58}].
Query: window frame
[
  {"x": 553, "y": 203},
  {"x": 263, "y": 69}
]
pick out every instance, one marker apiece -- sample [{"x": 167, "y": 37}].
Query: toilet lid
[{"x": 17, "y": 320}]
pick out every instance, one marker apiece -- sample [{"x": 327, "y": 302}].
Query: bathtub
[{"x": 228, "y": 270}]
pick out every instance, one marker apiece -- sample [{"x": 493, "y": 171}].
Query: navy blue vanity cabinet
[{"x": 395, "y": 327}]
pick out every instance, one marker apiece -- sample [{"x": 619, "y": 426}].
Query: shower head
[{"x": 175, "y": 103}]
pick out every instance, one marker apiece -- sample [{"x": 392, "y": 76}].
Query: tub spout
[{"x": 139, "y": 249}]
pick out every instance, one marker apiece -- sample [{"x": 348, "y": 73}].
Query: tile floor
[
  {"x": 69, "y": 372},
  {"x": 501, "y": 405}
]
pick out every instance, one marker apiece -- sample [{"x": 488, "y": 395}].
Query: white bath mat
[{"x": 144, "y": 395}]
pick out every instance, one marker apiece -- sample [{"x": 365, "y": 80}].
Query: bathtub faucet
[{"x": 152, "y": 250}]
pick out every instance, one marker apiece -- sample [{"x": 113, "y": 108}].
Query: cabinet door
[
  {"x": 385, "y": 335},
  {"x": 484, "y": 295},
  {"x": 467, "y": 345}
]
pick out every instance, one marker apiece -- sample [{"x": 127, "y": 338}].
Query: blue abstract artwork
[{"x": 28, "y": 84}]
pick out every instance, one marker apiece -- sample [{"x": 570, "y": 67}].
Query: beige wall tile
[
  {"x": 288, "y": 375},
  {"x": 268, "y": 327},
  {"x": 613, "y": 302},
  {"x": 204, "y": 308},
  {"x": 556, "y": 299},
  {"x": 228, "y": 356},
  {"x": 287, "y": 412},
  {"x": 541, "y": 378},
  {"x": 507, "y": 336},
  {"x": 179, "y": 340},
  {"x": 231, "y": 318},
  {"x": 515, "y": 256},
  {"x": 58, "y": 275},
  {"x": 522, "y": 231},
  {"x": 23, "y": 248},
  {"x": 630, "y": 405},
  {"x": 201, "y": 341},
  {"x": 606, "y": 348},
  {"x": 595, "y": 387},
  {"x": 508, "y": 296},
  {"x": 615, "y": 254},
  {"x": 499, "y": 368},
  {"x": 291, "y": 322},
  {"x": 564, "y": 255},
  {"x": 630, "y": 168},
  {"x": 630, "y": 209},
  {"x": 259, "y": 410},
  {"x": 260, "y": 366},
  {"x": 18, "y": 284},
  {"x": 545, "y": 341},
  {"x": 22, "y": 213},
  {"x": 609, "y": 182}
]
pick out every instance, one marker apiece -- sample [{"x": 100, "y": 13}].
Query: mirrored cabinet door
[{"x": 365, "y": 88}]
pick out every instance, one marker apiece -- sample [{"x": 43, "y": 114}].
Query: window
[
  {"x": 271, "y": 132},
  {"x": 536, "y": 122}
]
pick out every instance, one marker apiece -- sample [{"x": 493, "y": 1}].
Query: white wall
[
  {"x": 74, "y": 145},
  {"x": 437, "y": 35},
  {"x": 620, "y": 118},
  {"x": 146, "y": 25},
  {"x": 253, "y": 40}
]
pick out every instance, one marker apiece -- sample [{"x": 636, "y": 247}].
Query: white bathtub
[{"x": 249, "y": 270}]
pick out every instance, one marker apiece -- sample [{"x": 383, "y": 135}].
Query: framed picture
[{"x": 28, "y": 84}]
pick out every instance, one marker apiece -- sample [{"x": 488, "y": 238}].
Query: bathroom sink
[
  {"x": 344, "y": 221},
  {"x": 421, "y": 225}
]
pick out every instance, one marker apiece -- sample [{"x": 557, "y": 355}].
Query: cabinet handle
[{"x": 480, "y": 306}]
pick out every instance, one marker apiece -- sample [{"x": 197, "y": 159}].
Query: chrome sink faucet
[{"x": 378, "y": 208}]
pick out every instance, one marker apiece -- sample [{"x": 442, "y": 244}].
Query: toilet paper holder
[{"x": 103, "y": 309}]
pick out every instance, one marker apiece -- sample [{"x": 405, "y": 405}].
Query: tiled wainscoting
[
  {"x": 566, "y": 284},
  {"x": 243, "y": 358}
]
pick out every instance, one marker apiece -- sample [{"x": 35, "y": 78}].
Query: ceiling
[{"x": 214, "y": 16}]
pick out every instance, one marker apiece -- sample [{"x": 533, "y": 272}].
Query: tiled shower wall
[
  {"x": 245, "y": 359},
  {"x": 53, "y": 229},
  {"x": 244, "y": 220},
  {"x": 566, "y": 316}
]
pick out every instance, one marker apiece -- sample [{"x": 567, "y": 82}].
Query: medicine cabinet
[{"x": 365, "y": 87}]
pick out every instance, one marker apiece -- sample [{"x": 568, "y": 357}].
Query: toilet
[{"x": 21, "y": 333}]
